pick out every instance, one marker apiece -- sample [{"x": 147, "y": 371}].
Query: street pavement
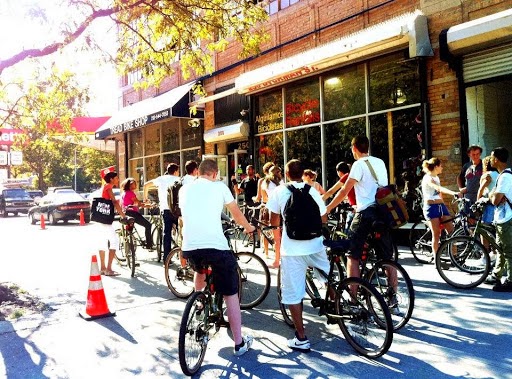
[{"x": 452, "y": 334}]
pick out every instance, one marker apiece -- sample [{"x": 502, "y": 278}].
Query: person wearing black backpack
[
  {"x": 303, "y": 212},
  {"x": 367, "y": 211}
]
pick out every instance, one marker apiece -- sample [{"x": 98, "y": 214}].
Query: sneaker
[
  {"x": 296, "y": 344},
  {"x": 247, "y": 343},
  {"x": 505, "y": 287},
  {"x": 491, "y": 279}
]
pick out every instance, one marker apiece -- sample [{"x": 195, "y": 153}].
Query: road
[{"x": 452, "y": 333}]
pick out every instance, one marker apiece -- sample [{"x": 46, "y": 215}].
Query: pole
[{"x": 75, "y": 170}]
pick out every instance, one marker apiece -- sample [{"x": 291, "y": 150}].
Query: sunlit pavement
[{"x": 453, "y": 333}]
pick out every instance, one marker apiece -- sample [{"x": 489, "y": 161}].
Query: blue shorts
[
  {"x": 435, "y": 211},
  {"x": 224, "y": 268}
]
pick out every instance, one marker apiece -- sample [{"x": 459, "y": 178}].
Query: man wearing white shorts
[{"x": 296, "y": 255}]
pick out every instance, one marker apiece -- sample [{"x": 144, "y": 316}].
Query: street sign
[
  {"x": 16, "y": 158},
  {"x": 3, "y": 158}
]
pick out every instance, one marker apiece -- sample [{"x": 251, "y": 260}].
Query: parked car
[
  {"x": 35, "y": 194},
  {"x": 60, "y": 206},
  {"x": 14, "y": 200},
  {"x": 97, "y": 193}
]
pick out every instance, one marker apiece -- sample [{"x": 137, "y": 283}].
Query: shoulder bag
[{"x": 102, "y": 210}]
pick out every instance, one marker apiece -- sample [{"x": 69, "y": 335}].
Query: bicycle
[
  {"x": 157, "y": 229},
  {"x": 358, "y": 308},
  {"x": 129, "y": 236},
  {"x": 420, "y": 235},
  {"x": 398, "y": 292},
  {"x": 463, "y": 261},
  {"x": 254, "y": 273},
  {"x": 203, "y": 313}
]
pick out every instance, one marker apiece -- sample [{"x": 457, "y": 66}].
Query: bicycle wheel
[
  {"x": 283, "y": 307},
  {"x": 254, "y": 278},
  {"x": 420, "y": 242},
  {"x": 179, "y": 277},
  {"x": 399, "y": 296},
  {"x": 364, "y": 319},
  {"x": 193, "y": 337},
  {"x": 129, "y": 252},
  {"x": 315, "y": 280},
  {"x": 463, "y": 262},
  {"x": 119, "y": 254},
  {"x": 156, "y": 236},
  {"x": 176, "y": 234}
]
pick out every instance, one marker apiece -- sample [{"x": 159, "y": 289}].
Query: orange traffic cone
[
  {"x": 82, "y": 218},
  {"x": 96, "y": 306},
  {"x": 43, "y": 225}
]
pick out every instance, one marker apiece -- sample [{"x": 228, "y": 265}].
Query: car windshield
[{"x": 15, "y": 192}]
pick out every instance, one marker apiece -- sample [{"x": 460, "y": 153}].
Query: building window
[
  {"x": 302, "y": 105},
  {"x": 269, "y": 112}
]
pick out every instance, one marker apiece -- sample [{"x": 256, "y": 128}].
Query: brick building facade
[{"x": 420, "y": 77}]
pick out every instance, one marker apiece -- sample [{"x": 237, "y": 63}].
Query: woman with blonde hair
[
  {"x": 309, "y": 177},
  {"x": 434, "y": 209}
]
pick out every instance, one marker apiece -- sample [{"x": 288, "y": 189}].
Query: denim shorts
[
  {"x": 436, "y": 211},
  {"x": 224, "y": 268}
]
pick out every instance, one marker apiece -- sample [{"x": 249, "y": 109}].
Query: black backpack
[
  {"x": 173, "y": 198},
  {"x": 302, "y": 217}
]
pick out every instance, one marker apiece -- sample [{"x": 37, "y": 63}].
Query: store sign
[
  {"x": 16, "y": 158},
  {"x": 295, "y": 74},
  {"x": 268, "y": 122},
  {"x": 7, "y": 136},
  {"x": 307, "y": 112},
  {"x": 140, "y": 122}
]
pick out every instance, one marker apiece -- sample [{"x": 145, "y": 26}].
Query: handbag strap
[{"x": 372, "y": 171}]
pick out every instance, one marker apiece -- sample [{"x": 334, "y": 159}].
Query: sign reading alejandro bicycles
[{"x": 140, "y": 122}]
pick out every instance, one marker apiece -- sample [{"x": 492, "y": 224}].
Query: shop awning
[
  {"x": 406, "y": 30},
  {"x": 236, "y": 131},
  {"x": 480, "y": 34},
  {"x": 173, "y": 103}
]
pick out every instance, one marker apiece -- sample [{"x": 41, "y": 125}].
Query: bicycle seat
[
  {"x": 341, "y": 244},
  {"x": 130, "y": 221}
]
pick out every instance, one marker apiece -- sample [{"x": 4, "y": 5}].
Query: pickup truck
[{"x": 14, "y": 200}]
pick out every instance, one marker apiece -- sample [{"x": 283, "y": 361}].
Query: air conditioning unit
[{"x": 237, "y": 131}]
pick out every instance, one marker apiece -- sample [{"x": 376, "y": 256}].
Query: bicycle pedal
[{"x": 222, "y": 324}]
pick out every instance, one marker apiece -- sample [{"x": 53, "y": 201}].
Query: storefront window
[
  {"x": 152, "y": 139},
  {"x": 269, "y": 148},
  {"x": 136, "y": 171},
  {"x": 171, "y": 135},
  {"x": 135, "y": 144},
  {"x": 191, "y": 137},
  {"x": 171, "y": 158},
  {"x": 153, "y": 167},
  {"x": 344, "y": 93},
  {"x": 191, "y": 155},
  {"x": 269, "y": 112},
  {"x": 394, "y": 82},
  {"x": 338, "y": 137},
  {"x": 398, "y": 136},
  {"x": 302, "y": 105},
  {"x": 305, "y": 145}
]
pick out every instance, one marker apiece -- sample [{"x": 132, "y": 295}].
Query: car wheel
[
  {"x": 32, "y": 219},
  {"x": 51, "y": 219},
  {"x": 15, "y": 213},
  {"x": 3, "y": 213}
]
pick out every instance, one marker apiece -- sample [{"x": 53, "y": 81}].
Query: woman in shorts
[{"x": 434, "y": 209}]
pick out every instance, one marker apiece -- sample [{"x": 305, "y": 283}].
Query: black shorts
[{"x": 224, "y": 268}]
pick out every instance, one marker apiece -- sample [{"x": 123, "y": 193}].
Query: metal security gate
[{"x": 487, "y": 64}]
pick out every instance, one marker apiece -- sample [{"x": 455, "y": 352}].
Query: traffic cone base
[
  {"x": 43, "y": 225},
  {"x": 96, "y": 306}
]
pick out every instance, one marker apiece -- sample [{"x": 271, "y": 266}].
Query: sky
[{"x": 22, "y": 26}]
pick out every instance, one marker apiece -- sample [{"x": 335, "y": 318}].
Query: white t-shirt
[
  {"x": 188, "y": 179},
  {"x": 201, "y": 203},
  {"x": 276, "y": 204},
  {"x": 429, "y": 192},
  {"x": 366, "y": 187},
  {"x": 162, "y": 183},
  {"x": 503, "y": 212}
]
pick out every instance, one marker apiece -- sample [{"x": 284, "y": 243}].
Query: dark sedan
[{"x": 59, "y": 206}]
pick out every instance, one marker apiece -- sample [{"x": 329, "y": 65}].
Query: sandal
[
  {"x": 103, "y": 272},
  {"x": 111, "y": 273}
]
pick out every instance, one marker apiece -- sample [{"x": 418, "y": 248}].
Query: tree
[
  {"x": 44, "y": 111},
  {"x": 154, "y": 35}
]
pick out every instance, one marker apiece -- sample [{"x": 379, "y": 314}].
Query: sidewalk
[{"x": 452, "y": 333}]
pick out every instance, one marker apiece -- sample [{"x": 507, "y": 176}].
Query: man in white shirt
[
  {"x": 202, "y": 202},
  {"x": 296, "y": 255},
  {"x": 162, "y": 183},
  {"x": 191, "y": 167},
  {"x": 367, "y": 212}
]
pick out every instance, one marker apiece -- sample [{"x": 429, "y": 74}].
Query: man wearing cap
[{"x": 162, "y": 183}]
